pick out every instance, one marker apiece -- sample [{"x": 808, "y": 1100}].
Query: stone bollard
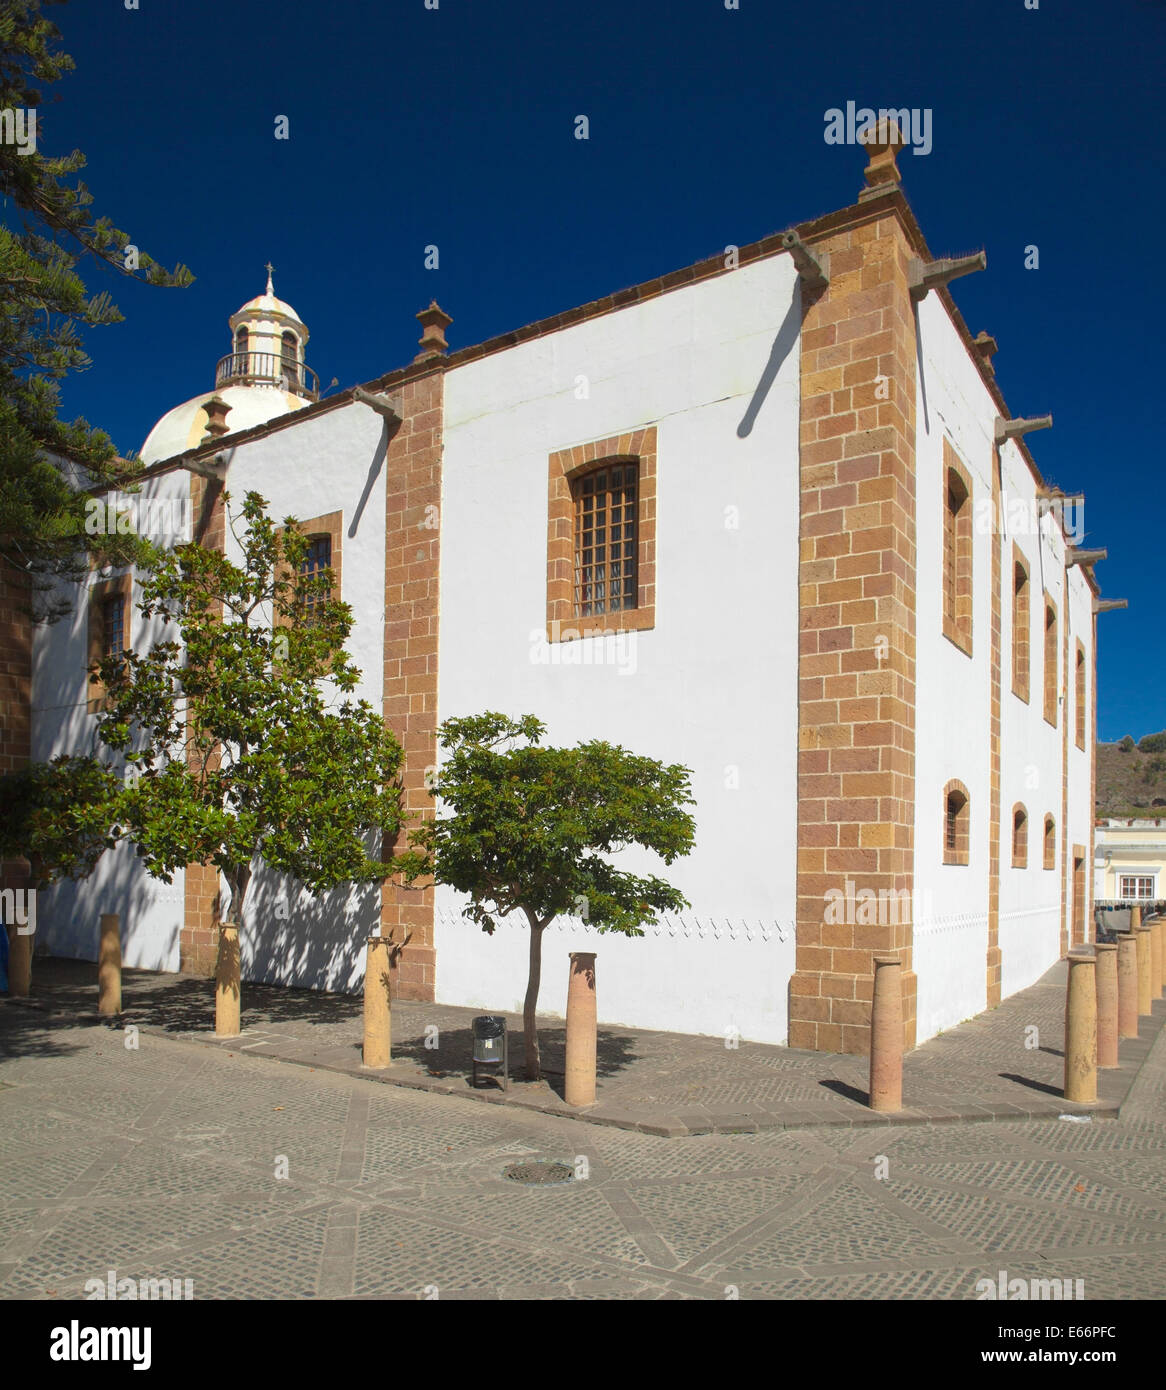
[
  {"x": 1081, "y": 1028},
  {"x": 1106, "y": 957},
  {"x": 1157, "y": 946},
  {"x": 581, "y": 1030},
  {"x": 1145, "y": 992},
  {"x": 19, "y": 962},
  {"x": 886, "y": 1035},
  {"x": 1127, "y": 986},
  {"x": 227, "y": 1012},
  {"x": 1135, "y": 917},
  {"x": 109, "y": 966},
  {"x": 378, "y": 1017}
]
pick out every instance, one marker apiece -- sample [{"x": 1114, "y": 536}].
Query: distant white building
[
  {"x": 1129, "y": 864},
  {"x": 769, "y": 516}
]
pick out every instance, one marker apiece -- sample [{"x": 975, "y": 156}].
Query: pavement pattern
[
  {"x": 1007, "y": 1063},
  {"x": 256, "y": 1179}
]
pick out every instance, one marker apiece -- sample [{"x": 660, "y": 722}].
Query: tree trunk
[
  {"x": 530, "y": 1005},
  {"x": 228, "y": 1003}
]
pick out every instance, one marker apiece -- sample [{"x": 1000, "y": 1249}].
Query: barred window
[
  {"x": 956, "y": 838},
  {"x": 318, "y": 559},
  {"x": 605, "y": 540},
  {"x": 113, "y": 626}
]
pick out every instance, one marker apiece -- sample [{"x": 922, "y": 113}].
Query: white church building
[{"x": 768, "y": 516}]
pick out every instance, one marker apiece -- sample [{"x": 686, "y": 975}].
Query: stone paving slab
[
  {"x": 1005, "y": 1064},
  {"x": 257, "y": 1180}
]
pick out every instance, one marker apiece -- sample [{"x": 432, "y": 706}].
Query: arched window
[
  {"x": 290, "y": 360},
  {"x": 242, "y": 341},
  {"x": 1021, "y": 623},
  {"x": 1081, "y": 721},
  {"x": 1050, "y": 843},
  {"x": 606, "y": 577},
  {"x": 957, "y": 551},
  {"x": 1050, "y": 662},
  {"x": 956, "y": 815},
  {"x": 1019, "y": 837}
]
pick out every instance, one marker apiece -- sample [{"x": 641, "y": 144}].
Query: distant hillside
[{"x": 1131, "y": 781}]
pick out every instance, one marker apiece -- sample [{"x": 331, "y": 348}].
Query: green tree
[
  {"x": 60, "y": 816},
  {"x": 46, "y": 305},
  {"x": 529, "y": 828},
  {"x": 237, "y": 748}
]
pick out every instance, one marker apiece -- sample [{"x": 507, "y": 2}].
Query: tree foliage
[
  {"x": 529, "y": 828},
  {"x": 43, "y": 459},
  {"x": 60, "y": 816},
  {"x": 233, "y": 727}
]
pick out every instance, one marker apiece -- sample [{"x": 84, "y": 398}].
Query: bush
[
  {"x": 1153, "y": 743},
  {"x": 1127, "y": 745}
]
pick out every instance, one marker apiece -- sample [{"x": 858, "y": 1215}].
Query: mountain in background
[{"x": 1131, "y": 778}]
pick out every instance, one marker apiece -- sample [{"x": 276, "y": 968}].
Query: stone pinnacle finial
[
  {"x": 269, "y": 290},
  {"x": 883, "y": 141},
  {"x": 434, "y": 321},
  {"x": 217, "y": 411}
]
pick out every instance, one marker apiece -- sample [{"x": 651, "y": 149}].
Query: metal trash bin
[{"x": 491, "y": 1056}]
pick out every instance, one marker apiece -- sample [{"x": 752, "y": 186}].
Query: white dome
[
  {"x": 268, "y": 306},
  {"x": 184, "y": 426}
]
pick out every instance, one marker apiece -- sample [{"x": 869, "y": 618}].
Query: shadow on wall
[
  {"x": 314, "y": 941},
  {"x": 151, "y": 912}
]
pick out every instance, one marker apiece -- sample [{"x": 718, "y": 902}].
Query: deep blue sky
[{"x": 411, "y": 126}]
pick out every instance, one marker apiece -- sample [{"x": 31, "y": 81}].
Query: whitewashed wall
[
  {"x": 1030, "y": 748},
  {"x": 952, "y": 689},
  {"x": 327, "y": 463},
  {"x": 67, "y": 914},
  {"x": 713, "y": 686}
]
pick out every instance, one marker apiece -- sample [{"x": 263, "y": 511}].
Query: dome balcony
[{"x": 267, "y": 369}]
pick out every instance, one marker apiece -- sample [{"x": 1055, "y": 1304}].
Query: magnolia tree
[
  {"x": 240, "y": 745},
  {"x": 59, "y": 815},
  {"x": 528, "y": 829}
]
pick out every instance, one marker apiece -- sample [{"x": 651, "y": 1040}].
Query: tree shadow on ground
[
  {"x": 28, "y": 1031},
  {"x": 184, "y": 1003},
  {"x": 454, "y": 1054}
]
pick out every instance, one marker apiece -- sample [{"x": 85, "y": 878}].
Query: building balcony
[{"x": 267, "y": 369}]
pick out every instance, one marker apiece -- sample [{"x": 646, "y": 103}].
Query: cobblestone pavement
[
  {"x": 1006, "y": 1063},
  {"x": 165, "y": 1161}
]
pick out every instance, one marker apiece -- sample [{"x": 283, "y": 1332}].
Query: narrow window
[
  {"x": 242, "y": 340},
  {"x": 1019, "y": 837},
  {"x": 1050, "y": 843},
  {"x": 605, "y": 540},
  {"x": 955, "y": 824},
  {"x": 1050, "y": 663},
  {"x": 317, "y": 560},
  {"x": 1020, "y": 631},
  {"x": 1080, "y": 696},
  {"x": 291, "y": 359},
  {"x": 957, "y": 552},
  {"x": 113, "y": 626}
]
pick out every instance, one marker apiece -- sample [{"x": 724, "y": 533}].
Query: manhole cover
[{"x": 542, "y": 1171}]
